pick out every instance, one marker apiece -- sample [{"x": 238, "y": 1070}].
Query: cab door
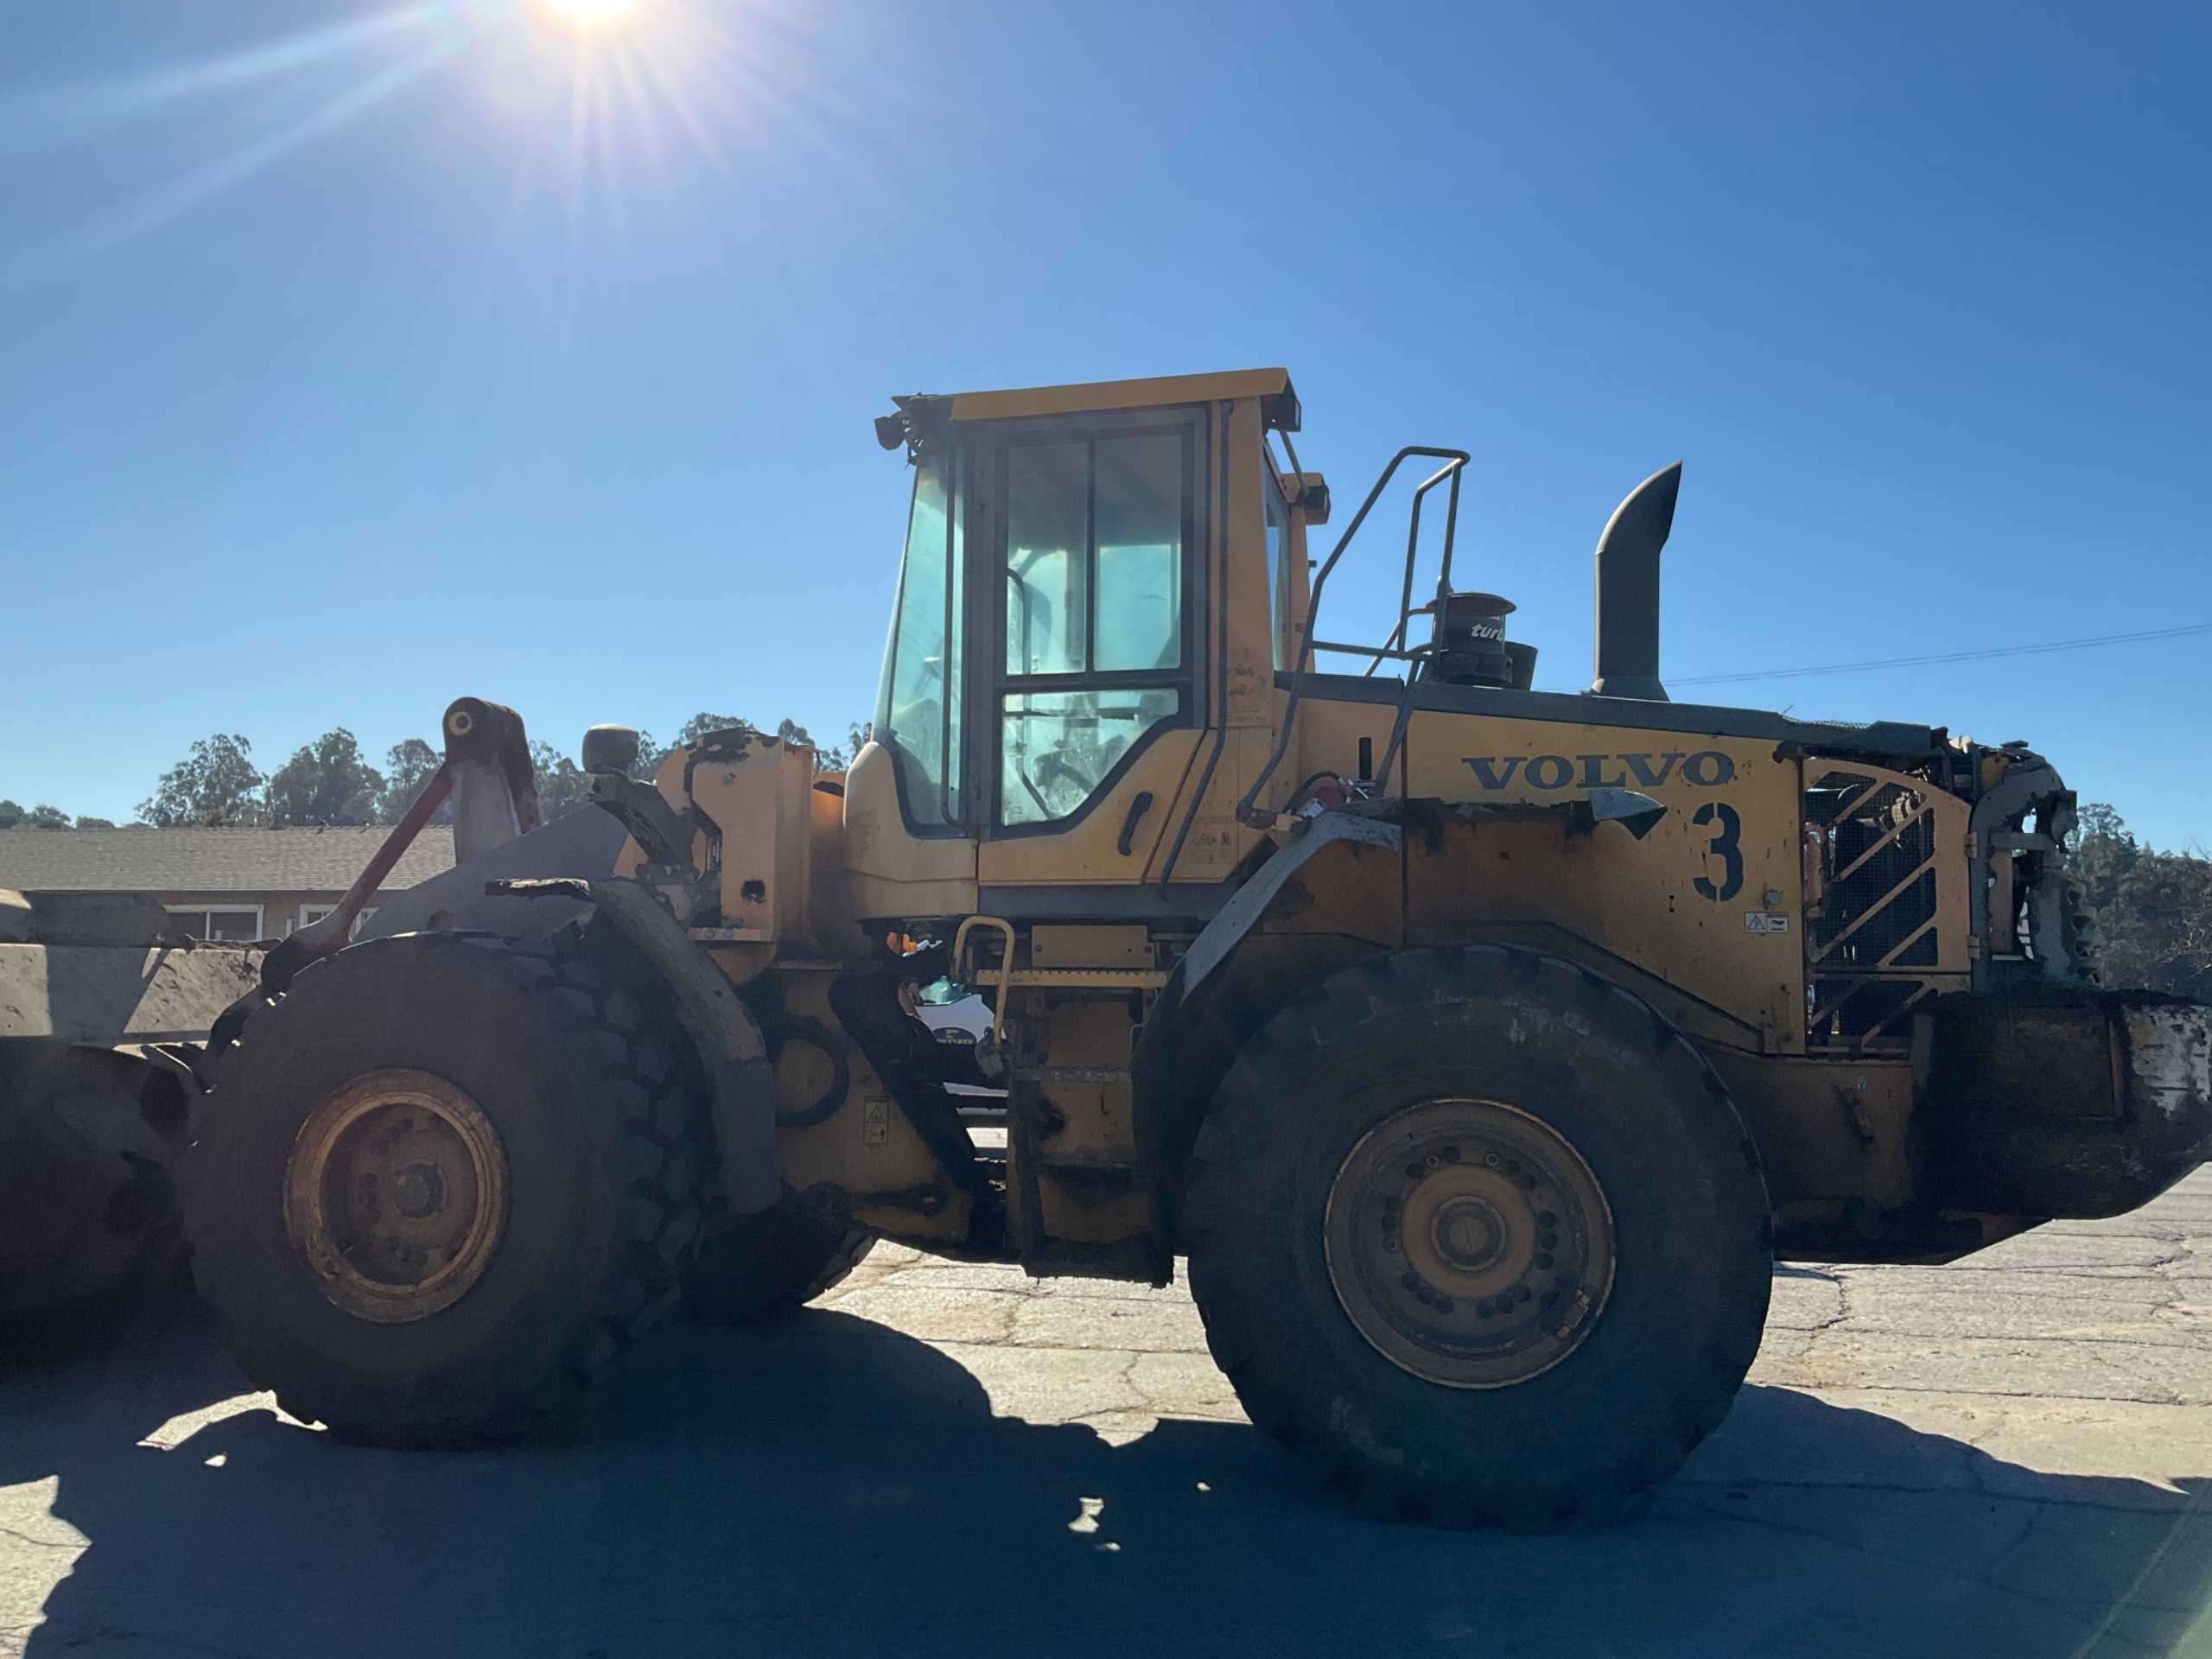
[{"x": 1086, "y": 678}]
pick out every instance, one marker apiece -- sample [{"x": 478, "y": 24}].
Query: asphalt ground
[{"x": 2009, "y": 1456}]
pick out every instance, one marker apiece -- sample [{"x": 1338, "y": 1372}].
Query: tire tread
[
  {"x": 1227, "y": 1209},
  {"x": 660, "y": 1123}
]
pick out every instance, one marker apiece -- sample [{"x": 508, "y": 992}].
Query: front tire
[
  {"x": 440, "y": 1184},
  {"x": 1480, "y": 1235}
]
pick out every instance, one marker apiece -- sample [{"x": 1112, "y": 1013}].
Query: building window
[
  {"x": 310, "y": 914},
  {"x": 215, "y": 921}
]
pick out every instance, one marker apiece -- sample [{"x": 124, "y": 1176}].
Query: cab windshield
[{"x": 918, "y": 706}]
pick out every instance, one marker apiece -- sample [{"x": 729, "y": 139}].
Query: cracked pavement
[{"x": 2007, "y": 1456}]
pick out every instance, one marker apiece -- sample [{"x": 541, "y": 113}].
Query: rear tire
[
  {"x": 759, "y": 1268},
  {"x": 1542, "y": 1358},
  {"x": 441, "y": 1184}
]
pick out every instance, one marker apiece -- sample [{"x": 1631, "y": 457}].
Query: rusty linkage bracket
[{"x": 487, "y": 774}]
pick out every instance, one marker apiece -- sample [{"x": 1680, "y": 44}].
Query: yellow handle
[{"x": 1006, "y": 964}]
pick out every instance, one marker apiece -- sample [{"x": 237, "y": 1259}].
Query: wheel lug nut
[
  {"x": 1492, "y": 1160},
  {"x": 1543, "y": 1259}
]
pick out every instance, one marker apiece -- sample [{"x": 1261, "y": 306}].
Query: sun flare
[{"x": 589, "y": 14}]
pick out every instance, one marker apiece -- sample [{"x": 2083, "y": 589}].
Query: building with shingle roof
[{"x": 234, "y": 883}]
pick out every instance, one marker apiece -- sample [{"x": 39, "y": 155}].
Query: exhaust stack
[{"x": 1628, "y": 589}]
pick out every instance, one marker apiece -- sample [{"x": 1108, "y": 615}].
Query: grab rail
[{"x": 1392, "y": 648}]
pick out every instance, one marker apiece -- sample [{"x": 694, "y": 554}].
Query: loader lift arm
[{"x": 488, "y": 775}]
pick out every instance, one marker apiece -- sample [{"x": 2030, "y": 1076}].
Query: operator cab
[{"x": 1061, "y": 673}]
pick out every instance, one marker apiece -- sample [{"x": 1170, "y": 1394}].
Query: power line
[
  {"x": 1985, "y": 655},
  {"x": 1958, "y": 655}
]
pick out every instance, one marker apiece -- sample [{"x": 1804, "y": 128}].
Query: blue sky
[{"x": 358, "y": 356}]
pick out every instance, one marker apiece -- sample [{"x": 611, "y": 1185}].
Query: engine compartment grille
[{"x": 1874, "y": 879}]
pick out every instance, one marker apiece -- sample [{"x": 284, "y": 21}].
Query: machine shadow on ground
[{"x": 834, "y": 1487}]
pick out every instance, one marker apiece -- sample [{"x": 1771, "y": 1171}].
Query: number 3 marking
[{"x": 1719, "y": 813}]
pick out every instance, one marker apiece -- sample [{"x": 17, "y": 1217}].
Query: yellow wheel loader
[{"x": 1480, "y": 1048}]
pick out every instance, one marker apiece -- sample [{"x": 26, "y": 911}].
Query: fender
[
  {"x": 1635, "y": 812},
  {"x": 1235, "y": 920}
]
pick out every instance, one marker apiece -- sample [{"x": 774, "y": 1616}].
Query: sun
[{"x": 589, "y": 14}]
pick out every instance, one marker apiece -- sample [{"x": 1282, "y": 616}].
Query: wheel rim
[
  {"x": 396, "y": 1195},
  {"x": 1469, "y": 1242}
]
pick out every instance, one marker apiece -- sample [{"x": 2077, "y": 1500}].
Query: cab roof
[{"x": 1271, "y": 386}]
